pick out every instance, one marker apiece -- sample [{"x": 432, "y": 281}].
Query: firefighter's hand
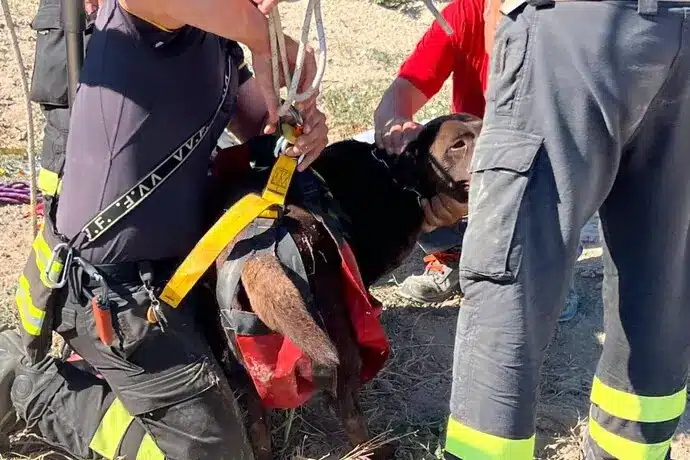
[
  {"x": 315, "y": 136},
  {"x": 263, "y": 72},
  {"x": 265, "y": 6},
  {"x": 442, "y": 211}
]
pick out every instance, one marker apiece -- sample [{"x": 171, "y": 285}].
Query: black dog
[{"x": 375, "y": 200}]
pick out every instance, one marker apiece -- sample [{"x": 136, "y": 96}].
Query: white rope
[
  {"x": 278, "y": 51},
  {"x": 441, "y": 20},
  {"x": 31, "y": 151}
]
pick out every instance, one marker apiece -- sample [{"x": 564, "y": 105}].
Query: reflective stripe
[
  {"x": 468, "y": 443},
  {"x": 623, "y": 448},
  {"x": 148, "y": 450},
  {"x": 43, "y": 255},
  {"x": 48, "y": 182},
  {"x": 30, "y": 315},
  {"x": 636, "y": 408},
  {"x": 110, "y": 431}
]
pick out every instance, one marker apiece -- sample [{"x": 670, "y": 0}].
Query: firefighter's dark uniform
[
  {"x": 144, "y": 93},
  {"x": 49, "y": 90},
  {"x": 588, "y": 106}
]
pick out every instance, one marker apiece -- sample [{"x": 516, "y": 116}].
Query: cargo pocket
[
  {"x": 49, "y": 79},
  {"x": 501, "y": 170}
]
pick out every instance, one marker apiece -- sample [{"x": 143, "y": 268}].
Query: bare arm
[
  {"x": 238, "y": 20},
  {"x": 393, "y": 119},
  {"x": 250, "y": 114},
  {"x": 401, "y": 99}
]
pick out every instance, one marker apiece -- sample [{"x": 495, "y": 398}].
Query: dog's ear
[{"x": 450, "y": 155}]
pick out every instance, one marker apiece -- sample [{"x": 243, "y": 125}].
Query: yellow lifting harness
[{"x": 228, "y": 227}]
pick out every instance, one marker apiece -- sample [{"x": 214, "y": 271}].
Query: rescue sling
[{"x": 279, "y": 370}]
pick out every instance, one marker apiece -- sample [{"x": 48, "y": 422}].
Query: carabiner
[
  {"x": 62, "y": 275},
  {"x": 281, "y": 146},
  {"x": 296, "y": 124}
]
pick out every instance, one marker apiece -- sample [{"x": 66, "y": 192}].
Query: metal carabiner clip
[
  {"x": 281, "y": 146},
  {"x": 292, "y": 120},
  {"x": 62, "y": 274}
]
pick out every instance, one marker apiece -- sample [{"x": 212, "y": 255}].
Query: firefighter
[
  {"x": 587, "y": 108},
  {"x": 160, "y": 81}
]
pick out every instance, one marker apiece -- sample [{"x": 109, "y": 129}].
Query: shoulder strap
[{"x": 129, "y": 200}]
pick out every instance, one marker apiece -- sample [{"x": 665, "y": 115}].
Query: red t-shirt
[{"x": 437, "y": 56}]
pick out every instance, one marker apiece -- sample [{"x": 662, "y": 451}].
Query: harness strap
[
  {"x": 262, "y": 237},
  {"x": 127, "y": 202},
  {"x": 239, "y": 216}
]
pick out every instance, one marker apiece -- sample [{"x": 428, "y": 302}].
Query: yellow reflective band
[
  {"x": 48, "y": 182},
  {"x": 623, "y": 448},
  {"x": 148, "y": 450},
  {"x": 43, "y": 256},
  {"x": 227, "y": 228},
  {"x": 211, "y": 245},
  {"x": 467, "y": 443},
  {"x": 30, "y": 315},
  {"x": 110, "y": 431},
  {"x": 636, "y": 408}
]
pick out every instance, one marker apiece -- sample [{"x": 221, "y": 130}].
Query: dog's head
[{"x": 438, "y": 161}]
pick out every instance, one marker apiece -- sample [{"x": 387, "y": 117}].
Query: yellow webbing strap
[
  {"x": 227, "y": 228},
  {"x": 278, "y": 184}
]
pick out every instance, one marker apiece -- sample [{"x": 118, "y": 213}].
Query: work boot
[
  {"x": 439, "y": 281},
  {"x": 11, "y": 353}
]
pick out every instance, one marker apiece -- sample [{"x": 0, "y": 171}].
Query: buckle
[{"x": 62, "y": 276}]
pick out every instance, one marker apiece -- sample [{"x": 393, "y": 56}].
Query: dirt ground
[{"x": 408, "y": 400}]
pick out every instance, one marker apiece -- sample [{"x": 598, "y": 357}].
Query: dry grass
[{"x": 407, "y": 403}]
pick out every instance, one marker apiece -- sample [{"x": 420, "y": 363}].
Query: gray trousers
[{"x": 588, "y": 107}]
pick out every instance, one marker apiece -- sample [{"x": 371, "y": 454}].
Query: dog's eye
[{"x": 459, "y": 144}]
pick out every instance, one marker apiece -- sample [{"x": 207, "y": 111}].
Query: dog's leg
[
  {"x": 258, "y": 425},
  {"x": 349, "y": 411}
]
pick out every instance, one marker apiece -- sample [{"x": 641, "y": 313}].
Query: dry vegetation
[{"x": 407, "y": 402}]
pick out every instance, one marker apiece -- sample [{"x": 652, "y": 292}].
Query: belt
[
  {"x": 129, "y": 272},
  {"x": 88, "y": 277}
]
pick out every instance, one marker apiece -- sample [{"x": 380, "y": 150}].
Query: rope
[
  {"x": 441, "y": 20},
  {"x": 29, "y": 114},
  {"x": 278, "y": 51}
]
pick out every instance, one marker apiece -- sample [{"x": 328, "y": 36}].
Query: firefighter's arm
[
  {"x": 238, "y": 20},
  {"x": 251, "y": 117}
]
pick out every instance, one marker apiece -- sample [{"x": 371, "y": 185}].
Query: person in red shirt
[{"x": 463, "y": 57}]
